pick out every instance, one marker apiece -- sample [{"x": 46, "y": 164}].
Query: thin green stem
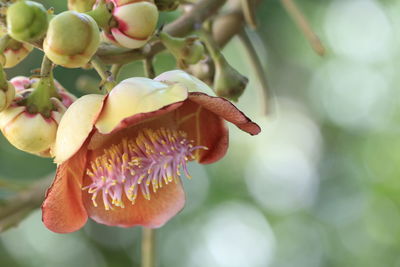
[
  {"x": 303, "y": 24},
  {"x": 46, "y": 67},
  {"x": 211, "y": 45},
  {"x": 258, "y": 69},
  {"x": 149, "y": 68},
  {"x": 40, "y": 99},
  {"x": 100, "y": 68},
  {"x": 107, "y": 80},
  {"x": 248, "y": 7},
  {"x": 148, "y": 247},
  {"x": 102, "y": 14},
  {"x": 115, "y": 70}
]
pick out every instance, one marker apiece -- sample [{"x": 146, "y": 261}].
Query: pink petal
[
  {"x": 62, "y": 209},
  {"x": 224, "y": 108}
]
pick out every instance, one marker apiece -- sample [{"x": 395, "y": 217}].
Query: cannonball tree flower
[
  {"x": 72, "y": 39},
  {"x": 133, "y": 23},
  {"x": 121, "y": 156},
  {"x": 31, "y": 125}
]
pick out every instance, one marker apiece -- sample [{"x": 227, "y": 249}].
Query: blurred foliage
[{"x": 319, "y": 187}]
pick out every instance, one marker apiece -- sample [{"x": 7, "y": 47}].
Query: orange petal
[
  {"x": 62, "y": 209},
  {"x": 225, "y": 109},
  {"x": 206, "y": 129},
  {"x": 153, "y": 213}
]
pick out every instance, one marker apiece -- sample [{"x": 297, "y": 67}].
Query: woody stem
[{"x": 148, "y": 247}]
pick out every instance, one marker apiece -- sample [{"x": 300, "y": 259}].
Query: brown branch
[{"x": 18, "y": 207}]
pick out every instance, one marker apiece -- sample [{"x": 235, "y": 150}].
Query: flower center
[{"x": 153, "y": 158}]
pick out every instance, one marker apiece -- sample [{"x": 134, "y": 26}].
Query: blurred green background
[{"x": 320, "y": 186}]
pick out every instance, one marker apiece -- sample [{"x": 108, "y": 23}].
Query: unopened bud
[
  {"x": 187, "y": 50},
  {"x": 81, "y": 5},
  {"x": 27, "y": 21},
  {"x": 228, "y": 82},
  {"x": 74, "y": 47},
  {"x": 167, "y": 5},
  {"x": 32, "y": 132},
  {"x": 135, "y": 22}
]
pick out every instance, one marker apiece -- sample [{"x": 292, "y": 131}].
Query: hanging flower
[{"x": 121, "y": 156}]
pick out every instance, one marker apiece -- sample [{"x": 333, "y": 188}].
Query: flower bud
[
  {"x": 32, "y": 132},
  {"x": 81, "y": 5},
  {"x": 27, "y": 21},
  {"x": 187, "y": 50},
  {"x": 167, "y": 5},
  {"x": 228, "y": 82},
  {"x": 23, "y": 84},
  {"x": 135, "y": 22},
  {"x": 74, "y": 47}
]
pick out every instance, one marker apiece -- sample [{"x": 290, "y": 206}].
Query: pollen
[{"x": 141, "y": 165}]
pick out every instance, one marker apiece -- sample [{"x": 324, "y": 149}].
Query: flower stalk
[
  {"x": 107, "y": 80},
  {"x": 102, "y": 14},
  {"x": 148, "y": 247},
  {"x": 39, "y": 101},
  {"x": 303, "y": 24}
]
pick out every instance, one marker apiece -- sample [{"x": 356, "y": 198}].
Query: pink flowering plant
[{"x": 122, "y": 151}]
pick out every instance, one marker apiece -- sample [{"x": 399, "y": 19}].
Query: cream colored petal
[
  {"x": 75, "y": 126},
  {"x": 9, "y": 114},
  {"x": 192, "y": 83},
  {"x": 137, "y": 95},
  {"x": 126, "y": 41}
]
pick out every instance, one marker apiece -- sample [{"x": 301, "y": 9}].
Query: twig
[
  {"x": 149, "y": 68},
  {"x": 304, "y": 26},
  {"x": 18, "y": 207},
  {"x": 259, "y": 70},
  {"x": 248, "y": 7},
  {"x": 148, "y": 247}
]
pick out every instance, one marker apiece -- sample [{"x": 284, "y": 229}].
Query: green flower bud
[
  {"x": 187, "y": 50},
  {"x": 228, "y": 82},
  {"x": 167, "y": 5},
  {"x": 72, "y": 39},
  {"x": 81, "y": 5},
  {"x": 27, "y": 21}
]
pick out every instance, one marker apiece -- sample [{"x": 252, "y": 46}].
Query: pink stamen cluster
[{"x": 153, "y": 158}]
